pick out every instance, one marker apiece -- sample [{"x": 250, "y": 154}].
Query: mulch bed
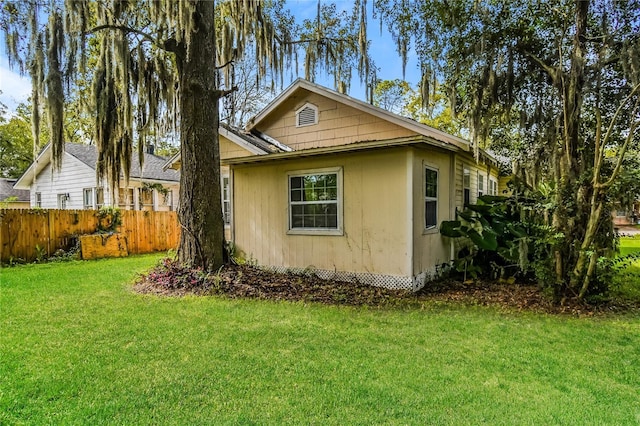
[{"x": 235, "y": 281}]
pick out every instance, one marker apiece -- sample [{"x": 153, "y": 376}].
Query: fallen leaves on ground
[{"x": 244, "y": 281}]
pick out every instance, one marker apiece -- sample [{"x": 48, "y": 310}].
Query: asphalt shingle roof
[
  {"x": 151, "y": 166},
  {"x": 7, "y": 190}
]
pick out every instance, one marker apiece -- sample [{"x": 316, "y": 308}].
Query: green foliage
[
  {"x": 41, "y": 253},
  {"x": 4, "y": 204},
  {"x": 557, "y": 111},
  {"x": 401, "y": 98},
  {"x": 505, "y": 237},
  {"x": 393, "y": 95},
  {"x": 109, "y": 219},
  {"x": 16, "y": 143},
  {"x": 147, "y": 186},
  {"x": 72, "y": 252}
]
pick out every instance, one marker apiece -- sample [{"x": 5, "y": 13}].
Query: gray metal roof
[
  {"x": 7, "y": 190},
  {"x": 254, "y": 139},
  {"x": 152, "y": 166}
]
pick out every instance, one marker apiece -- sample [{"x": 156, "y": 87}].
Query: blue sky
[{"x": 16, "y": 88}]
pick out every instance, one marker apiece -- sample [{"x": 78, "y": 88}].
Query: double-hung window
[
  {"x": 99, "y": 197},
  {"x": 315, "y": 203},
  {"x": 167, "y": 199},
  {"x": 481, "y": 184},
  {"x": 145, "y": 197},
  {"x": 87, "y": 198},
  {"x": 38, "y": 199},
  {"x": 493, "y": 187},
  {"x": 466, "y": 185},
  {"x": 226, "y": 201},
  {"x": 430, "y": 198},
  {"x": 125, "y": 198},
  {"x": 62, "y": 201}
]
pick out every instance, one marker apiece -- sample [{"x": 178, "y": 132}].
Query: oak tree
[
  {"x": 559, "y": 81},
  {"x": 155, "y": 68}
]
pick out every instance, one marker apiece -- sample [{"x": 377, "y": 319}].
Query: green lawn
[
  {"x": 629, "y": 245},
  {"x": 78, "y": 347},
  {"x": 627, "y": 283}
]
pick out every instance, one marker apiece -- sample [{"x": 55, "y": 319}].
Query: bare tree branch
[{"x": 127, "y": 30}]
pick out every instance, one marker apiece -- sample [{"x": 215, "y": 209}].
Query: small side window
[
  {"x": 430, "y": 198},
  {"x": 226, "y": 201},
  {"x": 466, "y": 184}
]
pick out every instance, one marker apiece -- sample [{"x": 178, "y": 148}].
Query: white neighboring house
[{"x": 75, "y": 185}]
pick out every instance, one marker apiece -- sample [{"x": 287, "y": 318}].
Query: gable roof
[
  {"x": 152, "y": 167},
  {"x": 407, "y": 123},
  {"x": 255, "y": 143},
  {"x": 7, "y": 190}
]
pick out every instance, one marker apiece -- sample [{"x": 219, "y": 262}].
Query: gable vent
[{"x": 307, "y": 116}]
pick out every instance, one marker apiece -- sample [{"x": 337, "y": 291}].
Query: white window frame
[
  {"x": 226, "y": 199},
  {"x": 38, "y": 200},
  {"x": 493, "y": 186},
  {"x": 338, "y": 230},
  {"x": 90, "y": 192},
  {"x": 315, "y": 115},
  {"x": 167, "y": 199},
  {"x": 466, "y": 186},
  {"x": 481, "y": 184},
  {"x": 128, "y": 203},
  {"x": 141, "y": 204},
  {"x": 99, "y": 191},
  {"x": 62, "y": 201},
  {"x": 430, "y": 198}
]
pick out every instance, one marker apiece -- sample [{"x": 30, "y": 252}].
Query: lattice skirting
[{"x": 394, "y": 282}]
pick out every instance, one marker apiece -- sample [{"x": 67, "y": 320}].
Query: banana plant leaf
[
  {"x": 486, "y": 241},
  {"x": 467, "y": 216},
  {"x": 451, "y": 228},
  {"x": 480, "y": 208},
  {"x": 492, "y": 199}
]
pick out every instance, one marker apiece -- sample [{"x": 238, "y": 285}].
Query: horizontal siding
[
  {"x": 429, "y": 248},
  {"x": 72, "y": 178},
  {"x": 474, "y": 168},
  {"x": 503, "y": 189},
  {"x": 230, "y": 149}
]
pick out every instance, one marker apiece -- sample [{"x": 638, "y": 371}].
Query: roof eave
[
  {"x": 241, "y": 142},
  {"x": 171, "y": 161},
  {"x": 25, "y": 181},
  {"x": 338, "y": 149}
]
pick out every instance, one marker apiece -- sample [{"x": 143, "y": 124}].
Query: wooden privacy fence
[{"x": 27, "y": 234}]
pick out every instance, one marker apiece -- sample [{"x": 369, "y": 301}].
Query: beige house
[
  {"x": 322, "y": 182},
  {"x": 357, "y": 192},
  {"x": 233, "y": 144}
]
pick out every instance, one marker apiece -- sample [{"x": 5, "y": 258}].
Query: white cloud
[{"x": 15, "y": 88}]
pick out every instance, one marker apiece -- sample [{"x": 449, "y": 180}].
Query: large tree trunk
[
  {"x": 573, "y": 196},
  {"x": 200, "y": 211}
]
